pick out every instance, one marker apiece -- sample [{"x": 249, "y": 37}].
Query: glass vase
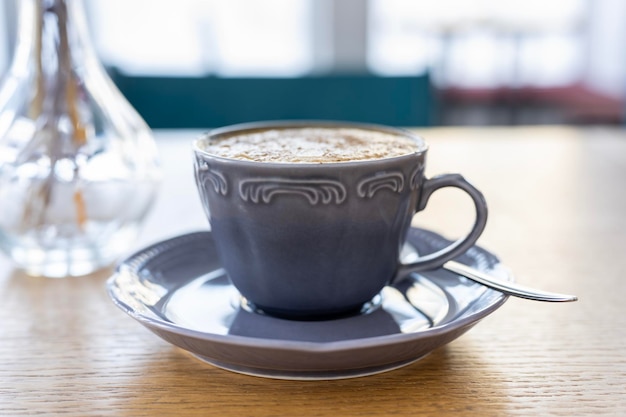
[{"x": 78, "y": 165}]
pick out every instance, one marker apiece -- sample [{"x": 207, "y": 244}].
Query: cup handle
[{"x": 436, "y": 259}]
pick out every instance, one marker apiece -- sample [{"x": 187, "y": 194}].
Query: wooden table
[{"x": 558, "y": 219}]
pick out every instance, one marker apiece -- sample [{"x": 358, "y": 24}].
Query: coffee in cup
[{"x": 314, "y": 145}]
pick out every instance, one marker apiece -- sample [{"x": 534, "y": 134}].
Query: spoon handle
[{"x": 506, "y": 287}]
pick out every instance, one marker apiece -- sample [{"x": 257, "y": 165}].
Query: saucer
[{"x": 178, "y": 289}]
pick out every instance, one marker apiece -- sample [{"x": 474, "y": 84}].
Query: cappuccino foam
[{"x": 310, "y": 145}]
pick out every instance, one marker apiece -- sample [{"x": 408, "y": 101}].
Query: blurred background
[{"x": 204, "y": 63}]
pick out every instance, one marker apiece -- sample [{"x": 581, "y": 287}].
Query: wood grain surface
[{"x": 557, "y": 218}]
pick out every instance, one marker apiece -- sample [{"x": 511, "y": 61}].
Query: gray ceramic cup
[{"x": 317, "y": 240}]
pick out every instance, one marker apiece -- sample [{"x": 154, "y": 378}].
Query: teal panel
[{"x": 202, "y": 102}]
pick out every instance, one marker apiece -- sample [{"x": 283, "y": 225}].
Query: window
[
  {"x": 480, "y": 43},
  {"x": 467, "y": 43}
]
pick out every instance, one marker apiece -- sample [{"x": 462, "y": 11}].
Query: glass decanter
[{"x": 78, "y": 165}]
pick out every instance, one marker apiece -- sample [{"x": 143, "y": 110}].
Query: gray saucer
[{"x": 178, "y": 290}]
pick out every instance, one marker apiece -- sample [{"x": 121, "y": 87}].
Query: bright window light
[
  {"x": 196, "y": 37},
  {"x": 478, "y": 43}
]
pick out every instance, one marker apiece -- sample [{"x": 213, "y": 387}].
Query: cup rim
[{"x": 422, "y": 145}]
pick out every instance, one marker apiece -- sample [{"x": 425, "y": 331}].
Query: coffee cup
[{"x": 309, "y": 217}]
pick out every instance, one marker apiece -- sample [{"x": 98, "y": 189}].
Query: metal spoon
[{"x": 505, "y": 287}]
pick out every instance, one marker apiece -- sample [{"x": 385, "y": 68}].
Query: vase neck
[
  {"x": 54, "y": 34},
  {"x": 55, "y": 53}
]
